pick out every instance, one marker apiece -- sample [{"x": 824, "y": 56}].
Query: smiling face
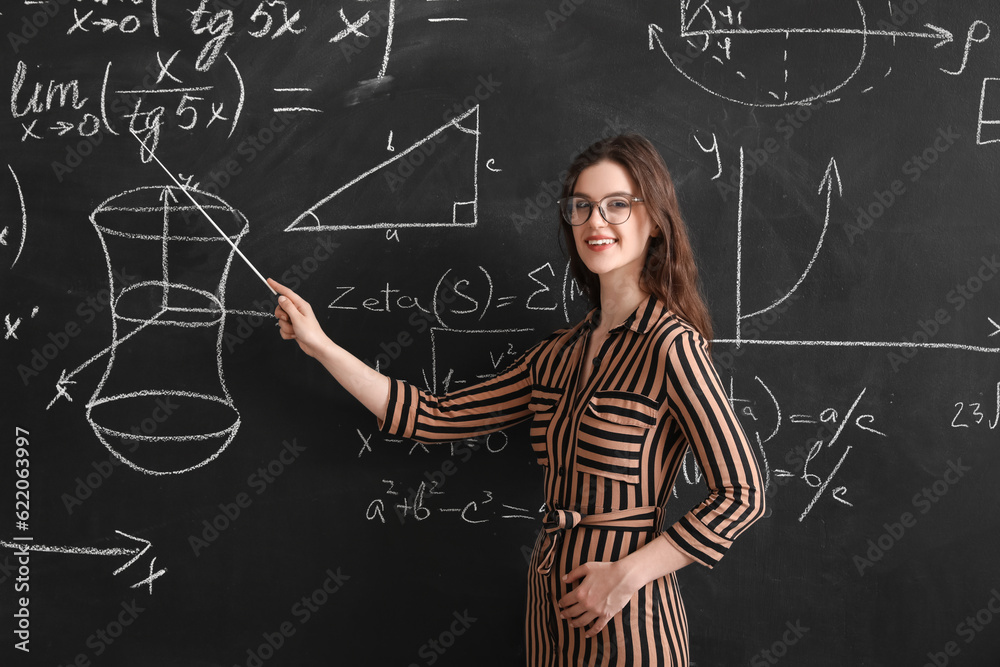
[{"x": 612, "y": 252}]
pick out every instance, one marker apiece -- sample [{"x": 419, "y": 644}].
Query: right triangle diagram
[{"x": 433, "y": 183}]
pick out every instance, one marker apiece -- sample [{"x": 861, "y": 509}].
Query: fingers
[
  {"x": 300, "y": 304},
  {"x": 287, "y": 330},
  {"x": 288, "y": 309},
  {"x": 579, "y": 617},
  {"x": 578, "y": 572},
  {"x": 599, "y": 624}
]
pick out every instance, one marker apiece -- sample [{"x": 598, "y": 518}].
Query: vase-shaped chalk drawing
[{"x": 162, "y": 405}]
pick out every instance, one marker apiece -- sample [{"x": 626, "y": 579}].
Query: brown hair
[{"x": 669, "y": 273}]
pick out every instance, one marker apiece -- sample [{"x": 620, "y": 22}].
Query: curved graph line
[
  {"x": 831, "y": 171},
  {"x": 24, "y": 216},
  {"x": 767, "y": 105}
]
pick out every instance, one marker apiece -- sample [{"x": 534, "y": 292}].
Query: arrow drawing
[
  {"x": 65, "y": 379},
  {"x": 832, "y": 174},
  {"x": 943, "y": 36},
  {"x": 135, "y": 552}
]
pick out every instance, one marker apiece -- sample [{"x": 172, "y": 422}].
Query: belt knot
[
  {"x": 556, "y": 521},
  {"x": 559, "y": 519}
]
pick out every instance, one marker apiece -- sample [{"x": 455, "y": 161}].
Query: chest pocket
[
  {"x": 612, "y": 430},
  {"x": 543, "y": 405}
]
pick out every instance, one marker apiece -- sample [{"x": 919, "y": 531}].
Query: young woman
[{"x": 615, "y": 403}]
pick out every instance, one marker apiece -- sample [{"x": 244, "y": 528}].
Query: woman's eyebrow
[{"x": 616, "y": 192}]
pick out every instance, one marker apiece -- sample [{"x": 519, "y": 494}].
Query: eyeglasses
[{"x": 615, "y": 209}]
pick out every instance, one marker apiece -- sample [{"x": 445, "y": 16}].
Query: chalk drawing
[
  {"x": 135, "y": 552},
  {"x": 780, "y": 89},
  {"x": 832, "y": 175},
  {"x": 165, "y": 355},
  {"x": 24, "y": 217},
  {"x": 988, "y": 130},
  {"x": 388, "y": 193},
  {"x": 494, "y": 342}
]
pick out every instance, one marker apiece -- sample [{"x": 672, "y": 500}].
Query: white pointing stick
[{"x": 204, "y": 212}]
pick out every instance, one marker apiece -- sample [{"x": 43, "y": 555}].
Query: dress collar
[{"x": 641, "y": 320}]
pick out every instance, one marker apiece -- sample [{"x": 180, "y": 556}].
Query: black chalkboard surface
[{"x": 184, "y": 488}]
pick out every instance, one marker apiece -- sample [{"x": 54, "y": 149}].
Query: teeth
[{"x": 601, "y": 242}]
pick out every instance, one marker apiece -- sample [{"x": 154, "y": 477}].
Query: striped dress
[{"x": 611, "y": 448}]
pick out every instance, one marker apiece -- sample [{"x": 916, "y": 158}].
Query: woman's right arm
[{"x": 298, "y": 323}]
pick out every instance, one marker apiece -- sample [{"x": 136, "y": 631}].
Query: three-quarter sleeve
[
  {"x": 493, "y": 405},
  {"x": 699, "y": 404}
]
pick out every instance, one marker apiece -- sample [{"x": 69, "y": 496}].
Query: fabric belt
[{"x": 557, "y": 521}]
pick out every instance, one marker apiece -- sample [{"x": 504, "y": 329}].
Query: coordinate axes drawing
[{"x": 831, "y": 181}]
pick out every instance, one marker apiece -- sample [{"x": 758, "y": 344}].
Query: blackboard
[{"x": 201, "y": 493}]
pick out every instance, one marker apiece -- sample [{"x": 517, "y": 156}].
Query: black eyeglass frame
[{"x": 600, "y": 207}]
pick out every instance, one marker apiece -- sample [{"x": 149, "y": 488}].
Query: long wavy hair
[{"x": 669, "y": 272}]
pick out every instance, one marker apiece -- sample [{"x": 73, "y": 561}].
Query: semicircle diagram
[{"x": 764, "y": 67}]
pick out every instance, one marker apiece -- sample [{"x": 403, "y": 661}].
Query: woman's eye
[
  {"x": 617, "y": 203},
  {"x": 581, "y": 204}
]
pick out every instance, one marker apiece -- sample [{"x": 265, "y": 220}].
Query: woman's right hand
[{"x": 297, "y": 321}]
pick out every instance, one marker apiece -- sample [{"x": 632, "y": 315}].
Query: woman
[{"x": 615, "y": 402}]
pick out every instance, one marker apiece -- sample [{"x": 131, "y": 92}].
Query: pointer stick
[{"x": 194, "y": 201}]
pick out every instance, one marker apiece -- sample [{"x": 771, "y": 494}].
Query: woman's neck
[{"x": 618, "y": 299}]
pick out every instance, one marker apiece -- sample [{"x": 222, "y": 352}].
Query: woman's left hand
[{"x": 602, "y": 594}]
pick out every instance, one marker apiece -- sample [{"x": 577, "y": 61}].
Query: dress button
[
  {"x": 562, "y": 470},
  {"x": 596, "y": 361}
]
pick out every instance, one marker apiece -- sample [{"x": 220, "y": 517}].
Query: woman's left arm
[{"x": 699, "y": 403}]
